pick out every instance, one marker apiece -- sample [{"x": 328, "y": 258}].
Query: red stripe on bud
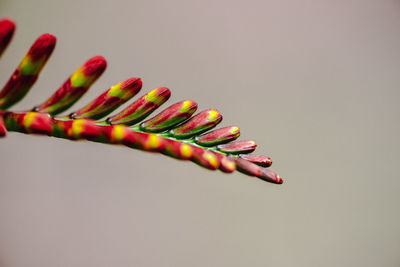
[{"x": 94, "y": 66}]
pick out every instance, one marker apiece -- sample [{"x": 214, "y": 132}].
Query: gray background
[{"x": 315, "y": 83}]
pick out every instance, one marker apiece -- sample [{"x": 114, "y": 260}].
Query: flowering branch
[{"x": 174, "y": 132}]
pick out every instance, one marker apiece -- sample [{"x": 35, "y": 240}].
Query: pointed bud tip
[
  {"x": 159, "y": 95},
  {"x": 94, "y": 65},
  {"x": 7, "y": 28},
  {"x": 132, "y": 82},
  {"x": 269, "y": 176},
  {"x": 188, "y": 106},
  {"x": 45, "y": 40},
  {"x": 43, "y": 46},
  {"x": 46, "y": 37},
  {"x": 7, "y": 25}
]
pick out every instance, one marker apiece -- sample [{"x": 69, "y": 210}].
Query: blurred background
[{"x": 315, "y": 83}]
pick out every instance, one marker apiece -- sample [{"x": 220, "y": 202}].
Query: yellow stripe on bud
[
  {"x": 116, "y": 91},
  {"x": 213, "y": 115},
  {"x": 153, "y": 141},
  {"x": 118, "y": 133},
  {"x": 211, "y": 159},
  {"x": 152, "y": 96},
  {"x": 186, "y": 151},
  {"x": 229, "y": 164},
  {"x": 77, "y": 128},
  {"x": 28, "y": 119},
  {"x": 79, "y": 79},
  {"x": 27, "y": 67},
  {"x": 234, "y": 130},
  {"x": 186, "y": 106}
]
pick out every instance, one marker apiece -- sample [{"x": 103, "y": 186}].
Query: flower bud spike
[
  {"x": 75, "y": 87},
  {"x": 238, "y": 147},
  {"x": 142, "y": 107},
  {"x": 170, "y": 117},
  {"x": 27, "y": 71},
  {"x": 198, "y": 124},
  {"x": 7, "y": 28},
  {"x": 172, "y": 132},
  {"x": 219, "y": 136},
  {"x": 109, "y": 100},
  {"x": 262, "y": 161}
]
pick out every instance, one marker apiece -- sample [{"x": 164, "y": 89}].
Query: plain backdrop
[{"x": 315, "y": 83}]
